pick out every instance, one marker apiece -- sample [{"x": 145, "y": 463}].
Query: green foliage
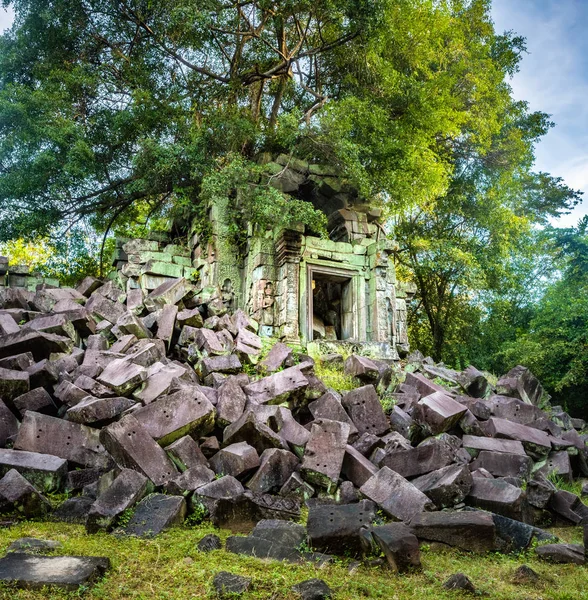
[
  {"x": 198, "y": 513},
  {"x": 124, "y": 518},
  {"x": 334, "y": 377}
]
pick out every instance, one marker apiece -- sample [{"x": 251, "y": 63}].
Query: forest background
[{"x": 118, "y": 116}]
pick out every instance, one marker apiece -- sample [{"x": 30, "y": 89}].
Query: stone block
[
  {"x": 277, "y": 357},
  {"x": 424, "y": 385},
  {"x": 8, "y": 325},
  {"x": 48, "y": 435},
  {"x": 124, "y": 492},
  {"x": 473, "y": 531},
  {"x": 497, "y": 496},
  {"x": 296, "y": 487},
  {"x": 91, "y": 387},
  {"x": 329, "y": 406},
  {"x": 20, "y": 497},
  {"x": 228, "y": 364},
  {"x": 185, "y": 454},
  {"x": 521, "y": 383},
  {"x": 231, "y": 402},
  {"x": 169, "y": 418},
  {"x": 535, "y": 442},
  {"x": 131, "y": 446},
  {"x": 441, "y": 412},
  {"x": 356, "y": 467},
  {"x": 236, "y": 460},
  {"x": 169, "y": 292},
  {"x": 324, "y": 453},
  {"x": 13, "y": 384},
  {"x": 227, "y": 585},
  {"x": 262, "y": 548},
  {"x": 46, "y": 472},
  {"x": 209, "y": 543},
  {"x": 398, "y": 498},
  {"x": 123, "y": 376},
  {"x": 447, "y": 486},
  {"x": 249, "y": 429},
  {"x": 337, "y": 528},
  {"x": 312, "y": 589},
  {"x": 29, "y": 545},
  {"x": 276, "y": 466},
  {"x": 190, "y": 480},
  {"x": 166, "y": 323},
  {"x": 156, "y": 513},
  {"x": 106, "y": 309},
  {"x": 191, "y": 317},
  {"x": 73, "y": 510},
  {"x": 365, "y": 369},
  {"x": 503, "y": 464},
  {"x": 92, "y": 410},
  {"x": 280, "y": 387},
  {"x": 423, "y": 459},
  {"x": 130, "y": 324},
  {"x": 399, "y": 545},
  {"x": 159, "y": 381},
  {"x": 38, "y": 572},
  {"x": 562, "y": 553},
  {"x": 365, "y": 410},
  {"x": 474, "y": 382},
  {"x": 8, "y": 424},
  {"x": 474, "y": 444},
  {"x": 58, "y": 324},
  {"x": 285, "y": 533}
]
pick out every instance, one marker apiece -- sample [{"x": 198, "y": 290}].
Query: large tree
[{"x": 111, "y": 108}]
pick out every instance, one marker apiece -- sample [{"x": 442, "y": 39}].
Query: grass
[
  {"x": 334, "y": 377},
  {"x": 169, "y": 567}
]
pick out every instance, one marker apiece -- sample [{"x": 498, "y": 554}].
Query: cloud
[{"x": 6, "y": 18}]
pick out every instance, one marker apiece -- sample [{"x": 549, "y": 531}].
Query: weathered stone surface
[
  {"x": 122, "y": 376},
  {"x": 365, "y": 410},
  {"x": 420, "y": 460},
  {"x": 474, "y": 383},
  {"x": 94, "y": 410},
  {"x": 58, "y": 324},
  {"x": 169, "y": 292},
  {"x": 13, "y": 384},
  {"x": 397, "y": 497},
  {"x": 424, "y": 385},
  {"x": 126, "y": 490},
  {"x": 104, "y": 308},
  {"x": 459, "y": 581},
  {"x": 8, "y": 424},
  {"x": 228, "y": 585},
  {"x": 29, "y": 545},
  {"x": 224, "y": 488},
  {"x": 19, "y": 496},
  {"x": 249, "y": 429},
  {"x": 277, "y": 388},
  {"x": 474, "y": 444},
  {"x": 36, "y": 572},
  {"x": 329, "y": 406},
  {"x": 399, "y": 545},
  {"x": 73, "y": 510},
  {"x": 48, "y": 435},
  {"x": 190, "y": 480},
  {"x": 231, "y": 402},
  {"x": 228, "y": 365},
  {"x": 47, "y": 473},
  {"x": 132, "y": 447},
  {"x": 562, "y": 553},
  {"x": 209, "y": 543},
  {"x": 568, "y": 507},
  {"x": 446, "y": 487},
  {"x": 8, "y": 325},
  {"x": 356, "y": 467},
  {"x": 502, "y": 464},
  {"x": 324, "y": 453},
  {"x": 363, "y": 368},
  {"x": 276, "y": 358},
  {"x": 474, "y": 531},
  {"x": 159, "y": 380},
  {"x": 336, "y": 528},
  {"x": 156, "y": 513},
  {"x": 497, "y": 496},
  {"x": 237, "y": 460},
  {"x": 185, "y": 454},
  {"x": 276, "y": 466},
  {"x": 191, "y": 317},
  {"x": 534, "y": 441},
  {"x": 169, "y": 418},
  {"x": 521, "y": 383},
  {"x": 441, "y": 412},
  {"x": 296, "y": 487},
  {"x": 166, "y": 323},
  {"x": 261, "y": 548},
  {"x": 312, "y": 589},
  {"x": 285, "y": 533}
]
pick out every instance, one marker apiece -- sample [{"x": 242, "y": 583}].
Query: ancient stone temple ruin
[{"x": 302, "y": 288}]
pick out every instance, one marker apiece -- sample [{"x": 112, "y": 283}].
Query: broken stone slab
[
  {"x": 92, "y": 387},
  {"x": 73, "y": 510},
  {"x": 19, "y": 496},
  {"x": 209, "y": 543},
  {"x": 497, "y": 496},
  {"x": 8, "y": 424},
  {"x": 277, "y": 388},
  {"x": 284, "y": 533},
  {"x": 474, "y": 444},
  {"x": 231, "y": 402},
  {"x": 185, "y": 454},
  {"x": 124, "y": 492},
  {"x": 474, "y": 531},
  {"x": 337, "y": 528},
  {"x": 329, "y": 406},
  {"x": 169, "y": 292},
  {"x": 169, "y": 418},
  {"x": 92, "y": 410},
  {"x": 159, "y": 380},
  {"x": 426, "y": 457},
  {"x": 296, "y": 487},
  {"x": 521, "y": 383},
  {"x": 474, "y": 382},
  {"x": 248, "y": 345},
  {"x": 515, "y": 410},
  {"x": 122, "y": 376},
  {"x": 514, "y": 536},
  {"x": 424, "y": 385},
  {"x": 397, "y": 497},
  {"x": 324, "y": 453},
  {"x": 69, "y": 393},
  {"x": 224, "y": 488},
  {"x": 535, "y": 442},
  {"x": 190, "y": 480},
  {"x": 105, "y": 309},
  {"x": 365, "y": 410},
  {"x": 237, "y": 460},
  {"x": 287, "y": 427},
  {"x": 29, "y": 545},
  {"x": 131, "y": 446},
  {"x": 562, "y": 553},
  {"x": 503, "y": 464},
  {"x": 312, "y": 589},
  {"x": 249, "y": 429},
  {"x": 459, "y": 581},
  {"x": 58, "y": 324},
  {"x": 208, "y": 341},
  {"x": 49, "y": 435},
  {"x": 539, "y": 491},
  {"x": 356, "y": 467},
  {"x": 47, "y": 473},
  {"x": 130, "y": 324},
  {"x": 13, "y": 384},
  {"x": 403, "y": 423},
  {"x": 447, "y": 486},
  {"x": 227, "y": 585},
  {"x": 18, "y": 362},
  {"x": 262, "y": 548},
  {"x": 558, "y": 463},
  {"x": 166, "y": 323},
  {"x": 88, "y": 286},
  {"x": 190, "y": 317},
  {"x": 277, "y": 357},
  {"x": 228, "y": 365},
  {"x": 80, "y": 478},
  {"x": 399, "y": 545},
  {"x": 568, "y": 507},
  {"x": 66, "y": 572},
  {"x": 441, "y": 412},
  {"x": 276, "y": 466},
  {"x": 365, "y": 369},
  {"x": 156, "y": 513}
]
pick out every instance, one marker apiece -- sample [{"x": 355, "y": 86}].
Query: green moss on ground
[{"x": 169, "y": 567}]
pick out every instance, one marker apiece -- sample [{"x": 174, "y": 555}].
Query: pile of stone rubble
[{"x": 169, "y": 406}]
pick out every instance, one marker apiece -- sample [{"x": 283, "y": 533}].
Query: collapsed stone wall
[{"x": 21, "y": 276}]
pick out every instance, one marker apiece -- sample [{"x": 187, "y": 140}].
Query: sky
[{"x": 553, "y": 78}]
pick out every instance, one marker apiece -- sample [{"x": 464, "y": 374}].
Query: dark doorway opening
[{"x": 331, "y": 306}]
